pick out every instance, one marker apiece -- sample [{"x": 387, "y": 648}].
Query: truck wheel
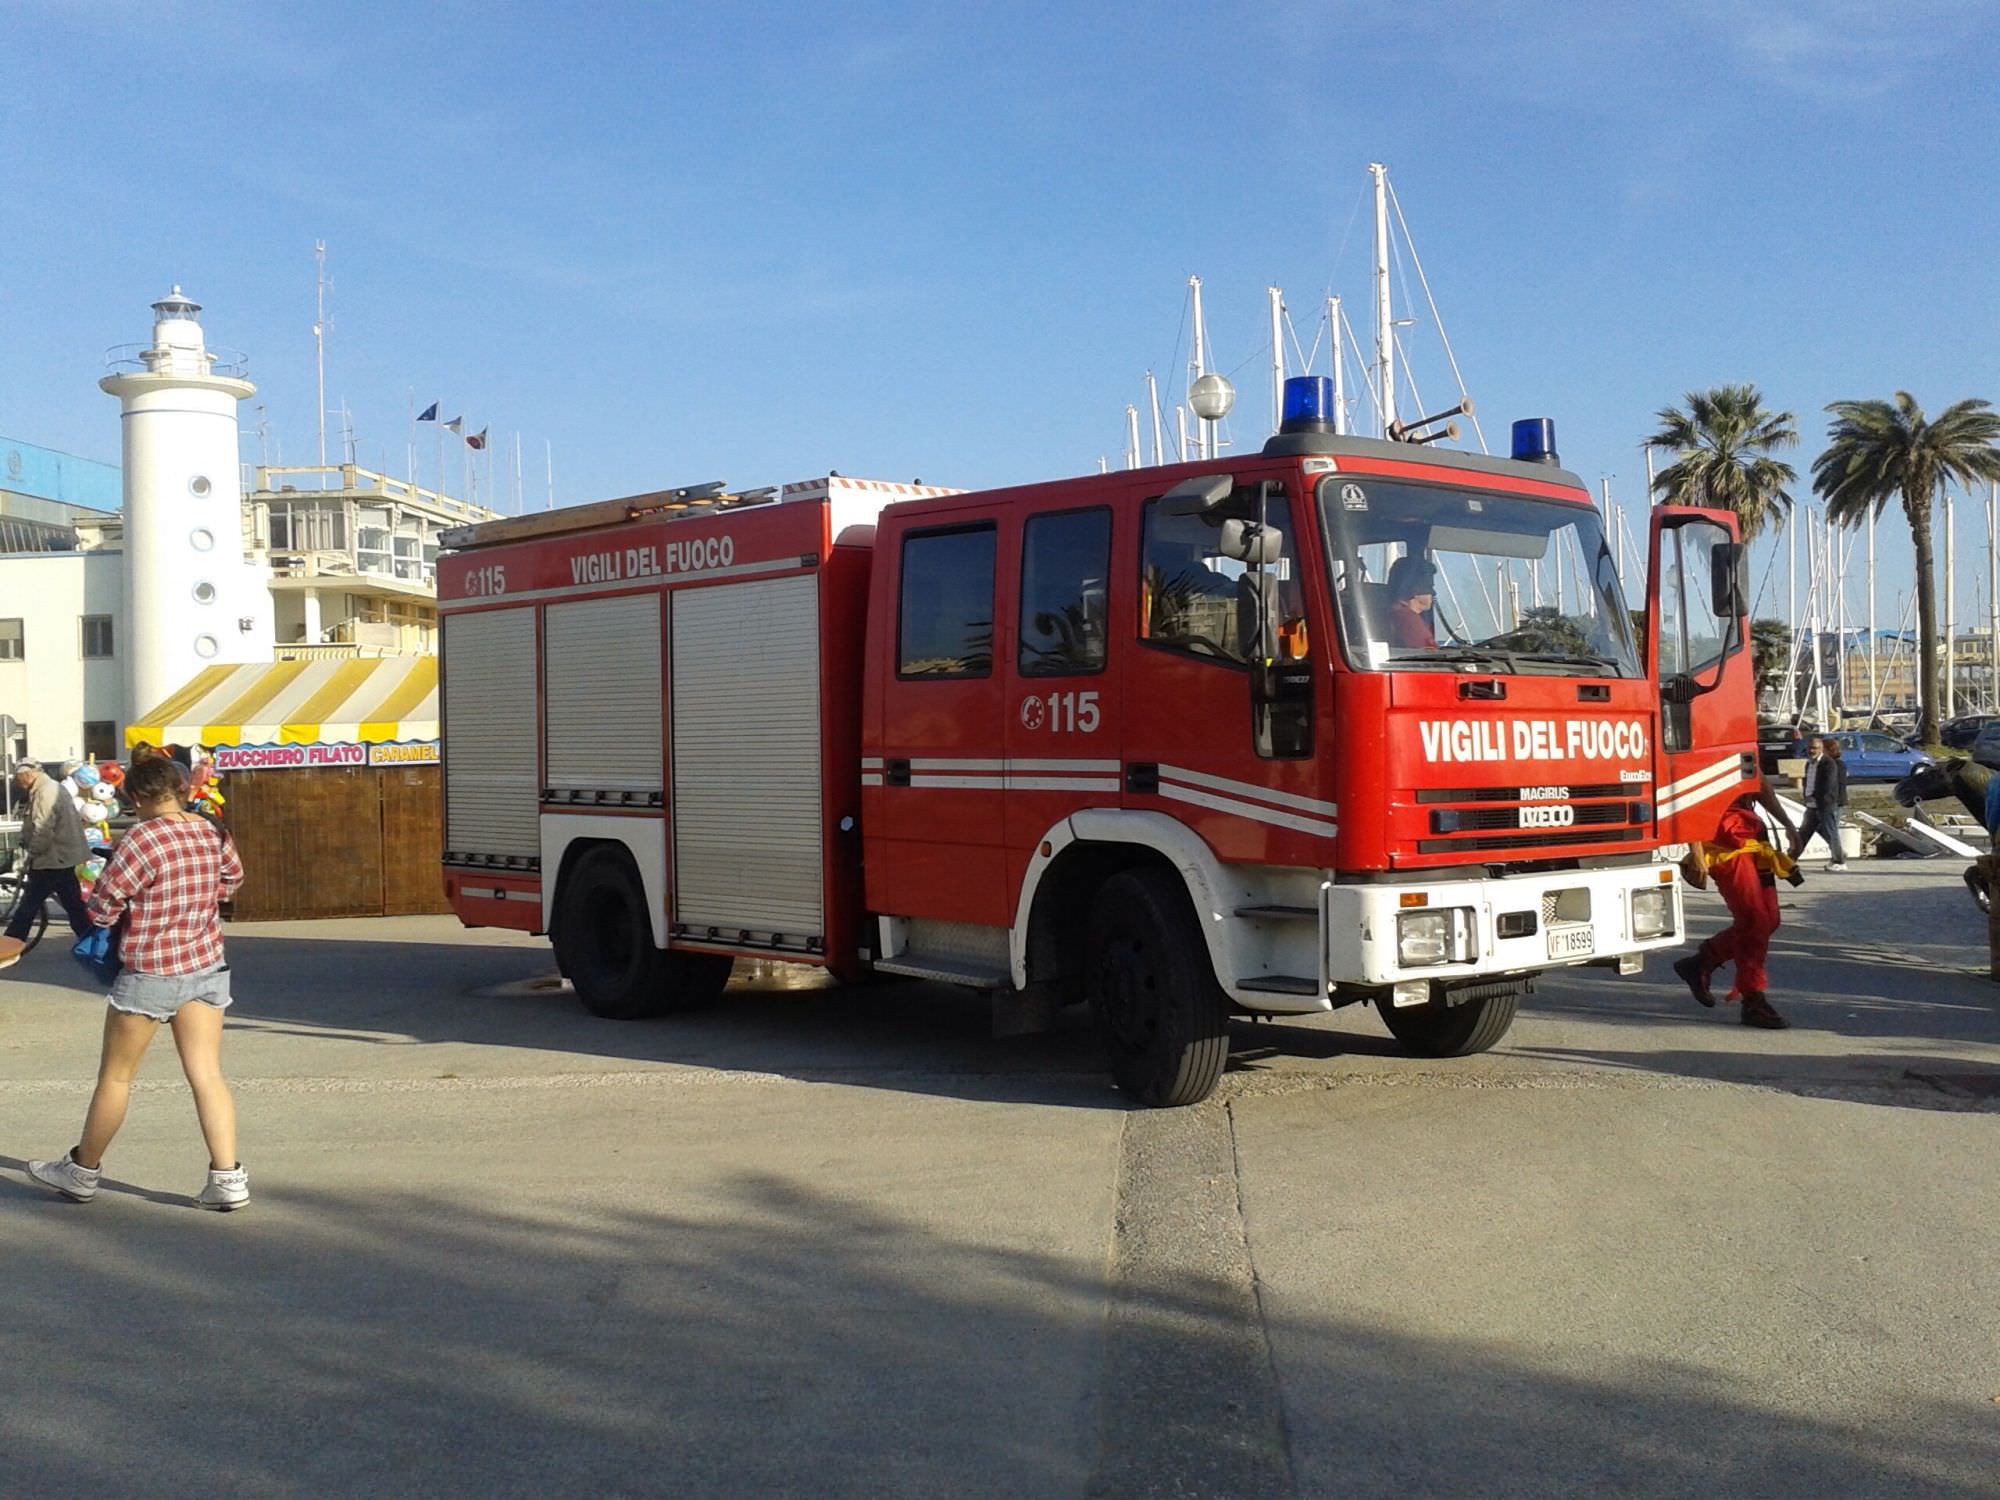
[
  {"x": 1164, "y": 1019},
  {"x": 604, "y": 944},
  {"x": 1440, "y": 1030}
]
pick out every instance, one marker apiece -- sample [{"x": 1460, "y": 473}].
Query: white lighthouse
[{"x": 191, "y": 601}]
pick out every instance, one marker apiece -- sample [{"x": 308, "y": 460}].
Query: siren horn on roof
[{"x": 1413, "y": 432}]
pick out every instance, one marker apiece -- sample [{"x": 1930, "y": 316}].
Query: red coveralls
[{"x": 1750, "y": 890}]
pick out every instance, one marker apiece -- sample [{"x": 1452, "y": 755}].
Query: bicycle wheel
[{"x": 12, "y": 893}]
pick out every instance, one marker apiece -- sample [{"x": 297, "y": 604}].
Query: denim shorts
[{"x": 158, "y": 996}]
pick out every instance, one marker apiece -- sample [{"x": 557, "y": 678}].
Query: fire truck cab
[{"x": 1343, "y": 721}]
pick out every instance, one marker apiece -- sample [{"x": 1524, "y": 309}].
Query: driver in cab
[{"x": 1412, "y": 592}]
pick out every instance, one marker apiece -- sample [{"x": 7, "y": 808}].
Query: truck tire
[
  {"x": 1163, "y": 1018},
  {"x": 604, "y": 945},
  {"x": 1440, "y": 1030}
]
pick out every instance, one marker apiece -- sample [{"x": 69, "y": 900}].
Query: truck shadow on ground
[
  {"x": 782, "y": 1341},
  {"x": 905, "y": 1035}
]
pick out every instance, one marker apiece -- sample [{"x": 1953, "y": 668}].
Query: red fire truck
[{"x": 1343, "y": 721}]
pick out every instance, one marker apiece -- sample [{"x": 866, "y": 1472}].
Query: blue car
[{"x": 1869, "y": 756}]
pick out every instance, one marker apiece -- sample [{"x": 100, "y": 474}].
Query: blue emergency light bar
[
  {"x": 1535, "y": 441},
  {"x": 1308, "y": 404}
]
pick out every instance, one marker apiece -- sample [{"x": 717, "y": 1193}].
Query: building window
[
  {"x": 96, "y": 637},
  {"x": 371, "y": 549},
  {"x": 13, "y": 644},
  {"x": 100, "y": 739},
  {"x": 1065, "y": 565},
  {"x": 946, "y": 629}
]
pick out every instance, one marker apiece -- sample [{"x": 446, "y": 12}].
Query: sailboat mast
[
  {"x": 1153, "y": 400},
  {"x": 1131, "y": 436},
  {"x": 319, "y": 339},
  {"x": 1874, "y": 688},
  {"x": 1385, "y": 328},
  {"x": 1791, "y": 615},
  {"x": 1196, "y": 366},
  {"x": 1950, "y": 616},
  {"x": 1277, "y": 299},
  {"x": 1339, "y": 367}
]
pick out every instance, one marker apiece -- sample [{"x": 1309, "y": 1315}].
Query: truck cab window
[
  {"x": 945, "y": 623},
  {"x": 1430, "y": 576},
  {"x": 1065, "y": 569},
  {"x": 1202, "y": 579}
]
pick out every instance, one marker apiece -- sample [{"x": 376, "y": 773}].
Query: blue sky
[{"x": 755, "y": 242}]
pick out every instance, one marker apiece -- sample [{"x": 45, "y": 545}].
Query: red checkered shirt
[{"x": 167, "y": 879}]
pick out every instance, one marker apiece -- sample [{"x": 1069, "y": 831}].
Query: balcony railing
[
  {"x": 272, "y": 480},
  {"x": 233, "y": 363}
]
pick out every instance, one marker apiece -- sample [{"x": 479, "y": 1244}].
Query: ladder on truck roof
[{"x": 674, "y": 504}]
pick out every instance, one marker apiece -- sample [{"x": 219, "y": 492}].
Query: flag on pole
[
  {"x": 478, "y": 441},
  {"x": 457, "y": 425},
  {"x": 429, "y": 413}
]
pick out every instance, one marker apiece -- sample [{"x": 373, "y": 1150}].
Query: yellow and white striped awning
[{"x": 373, "y": 700}]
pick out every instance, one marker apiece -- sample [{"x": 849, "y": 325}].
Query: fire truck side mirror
[
  {"x": 1729, "y": 580},
  {"x": 1197, "y": 496}
]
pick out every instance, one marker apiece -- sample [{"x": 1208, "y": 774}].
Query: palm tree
[
  {"x": 1878, "y": 450},
  {"x": 1770, "y": 651},
  {"x": 1723, "y": 443}
]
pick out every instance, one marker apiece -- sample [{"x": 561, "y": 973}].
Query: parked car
[
  {"x": 1775, "y": 738},
  {"x": 1985, "y": 746},
  {"x": 1875, "y": 757},
  {"x": 1959, "y": 733}
]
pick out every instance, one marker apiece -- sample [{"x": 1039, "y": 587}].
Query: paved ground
[{"x": 839, "y": 1243}]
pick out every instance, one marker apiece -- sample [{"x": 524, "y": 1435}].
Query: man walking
[
  {"x": 1824, "y": 787},
  {"x": 52, "y": 835}
]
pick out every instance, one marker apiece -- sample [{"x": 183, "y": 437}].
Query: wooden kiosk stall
[{"x": 330, "y": 775}]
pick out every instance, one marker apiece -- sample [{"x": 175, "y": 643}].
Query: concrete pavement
[{"x": 819, "y": 1242}]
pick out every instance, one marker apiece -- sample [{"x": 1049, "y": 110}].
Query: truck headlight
[
  {"x": 1653, "y": 912},
  {"x": 1439, "y": 936}
]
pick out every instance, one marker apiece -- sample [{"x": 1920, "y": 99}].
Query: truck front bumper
[{"x": 1392, "y": 934}]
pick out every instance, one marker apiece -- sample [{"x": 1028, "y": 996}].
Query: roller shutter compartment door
[
  {"x": 746, "y": 766},
  {"x": 489, "y": 734},
  {"x": 601, "y": 683}
]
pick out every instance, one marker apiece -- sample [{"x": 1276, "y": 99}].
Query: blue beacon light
[
  {"x": 1308, "y": 404},
  {"x": 1535, "y": 441}
]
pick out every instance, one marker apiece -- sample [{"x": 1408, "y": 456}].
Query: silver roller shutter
[
  {"x": 601, "y": 681},
  {"x": 489, "y": 734},
  {"x": 746, "y": 794}
]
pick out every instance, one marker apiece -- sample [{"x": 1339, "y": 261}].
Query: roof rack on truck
[{"x": 674, "y": 504}]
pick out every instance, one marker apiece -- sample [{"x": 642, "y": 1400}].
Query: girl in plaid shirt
[{"x": 165, "y": 881}]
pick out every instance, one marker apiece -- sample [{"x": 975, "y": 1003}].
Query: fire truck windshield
[{"x": 1432, "y": 576}]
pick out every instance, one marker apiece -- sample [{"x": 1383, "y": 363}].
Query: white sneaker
[
  {"x": 1838, "y": 867},
  {"x": 225, "y": 1190},
  {"x": 78, "y": 1184}
]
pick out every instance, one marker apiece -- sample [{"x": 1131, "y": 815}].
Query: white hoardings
[
  {"x": 491, "y": 799},
  {"x": 602, "y": 686},
  {"x": 747, "y": 822}
]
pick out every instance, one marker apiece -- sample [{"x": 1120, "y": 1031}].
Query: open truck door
[{"x": 1698, "y": 657}]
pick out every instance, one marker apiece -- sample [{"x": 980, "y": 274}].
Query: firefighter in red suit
[{"x": 1745, "y": 866}]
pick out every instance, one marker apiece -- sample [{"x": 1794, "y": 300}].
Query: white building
[
  {"x": 61, "y": 678},
  {"x": 105, "y": 616}
]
